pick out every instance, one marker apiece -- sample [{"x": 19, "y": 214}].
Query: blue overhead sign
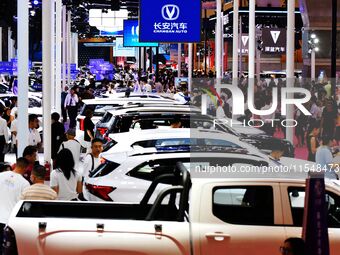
[
  {"x": 131, "y": 32},
  {"x": 170, "y": 21}
]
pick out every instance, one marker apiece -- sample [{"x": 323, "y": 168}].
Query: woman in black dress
[{"x": 313, "y": 139}]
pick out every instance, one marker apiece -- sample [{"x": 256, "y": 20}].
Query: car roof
[
  {"x": 141, "y": 156},
  {"x": 150, "y": 134},
  {"x": 150, "y": 108},
  {"x": 124, "y": 100}
]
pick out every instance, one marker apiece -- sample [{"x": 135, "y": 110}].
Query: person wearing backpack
[
  {"x": 92, "y": 160},
  {"x": 74, "y": 146}
]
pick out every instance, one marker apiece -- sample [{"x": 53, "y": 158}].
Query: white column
[
  {"x": 258, "y": 64},
  {"x": 0, "y": 43},
  {"x": 69, "y": 47},
  {"x": 47, "y": 53},
  {"x": 179, "y": 58},
  {"x": 218, "y": 40},
  {"x": 137, "y": 56},
  {"x": 290, "y": 63},
  {"x": 312, "y": 65},
  {"x": 64, "y": 26},
  {"x": 222, "y": 46},
  {"x": 52, "y": 35},
  {"x": 10, "y": 45},
  {"x": 240, "y": 45},
  {"x": 235, "y": 42},
  {"x": 142, "y": 57},
  {"x": 75, "y": 48},
  {"x": 58, "y": 57},
  {"x": 22, "y": 75},
  {"x": 251, "y": 50},
  {"x": 190, "y": 56}
]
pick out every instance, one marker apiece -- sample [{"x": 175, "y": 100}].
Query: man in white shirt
[
  {"x": 92, "y": 160},
  {"x": 70, "y": 105},
  {"x": 34, "y": 138},
  {"x": 74, "y": 146},
  {"x": 4, "y": 136},
  {"x": 14, "y": 132},
  {"x": 324, "y": 158},
  {"x": 12, "y": 184},
  {"x": 148, "y": 87}
]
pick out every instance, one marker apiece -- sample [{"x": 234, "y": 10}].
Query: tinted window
[
  {"x": 153, "y": 168},
  {"x": 297, "y": 202},
  {"x": 103, "y": 169},
  {"x": 246, "y": 205}
]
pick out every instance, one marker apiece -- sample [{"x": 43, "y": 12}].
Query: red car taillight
[
  {"x": 102, "y": 131},
  {"x": 100, "y": 191}
]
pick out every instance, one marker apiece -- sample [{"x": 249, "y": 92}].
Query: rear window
[
  {"x": 153, "y": 168},
  {"x": 98, "y": 109},
  {"x": 104, "y": 169}
]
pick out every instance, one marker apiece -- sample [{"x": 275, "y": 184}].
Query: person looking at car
[
  {"x": 39, "y": 190},
  {"x": 88, "y": 129},
  {"x": 30, "y": 154},
  {"x": 293, "y": 246},
  {"x": 324, "y": 158},
  {"x": 12, "y": 184},
  {"x": 92, "y": 160},
  {"x": 64, "y": 179},
  {"x": 71, "y": 102}
]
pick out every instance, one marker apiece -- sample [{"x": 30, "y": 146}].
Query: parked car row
[{"x": 189, "y": 215}]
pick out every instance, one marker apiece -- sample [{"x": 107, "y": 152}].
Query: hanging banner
[
  {"x": 274, "y": 40},
  {"x": 170, "y": 21},
  {"x": 131, "y": 33},
  {"x": 245, "y": 43}
]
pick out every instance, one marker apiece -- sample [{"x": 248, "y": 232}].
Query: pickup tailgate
[{"x": 54, "y": 233}]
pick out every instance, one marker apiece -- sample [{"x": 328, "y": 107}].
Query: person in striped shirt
[{"x": 38, "y": 191}]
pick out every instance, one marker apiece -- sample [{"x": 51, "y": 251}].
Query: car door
[
  {"x": 293, "y": 199},
  {"x": 240, "y": 218}
]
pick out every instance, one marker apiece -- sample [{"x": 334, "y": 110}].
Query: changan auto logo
[{"x": 170, "y": 12}]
